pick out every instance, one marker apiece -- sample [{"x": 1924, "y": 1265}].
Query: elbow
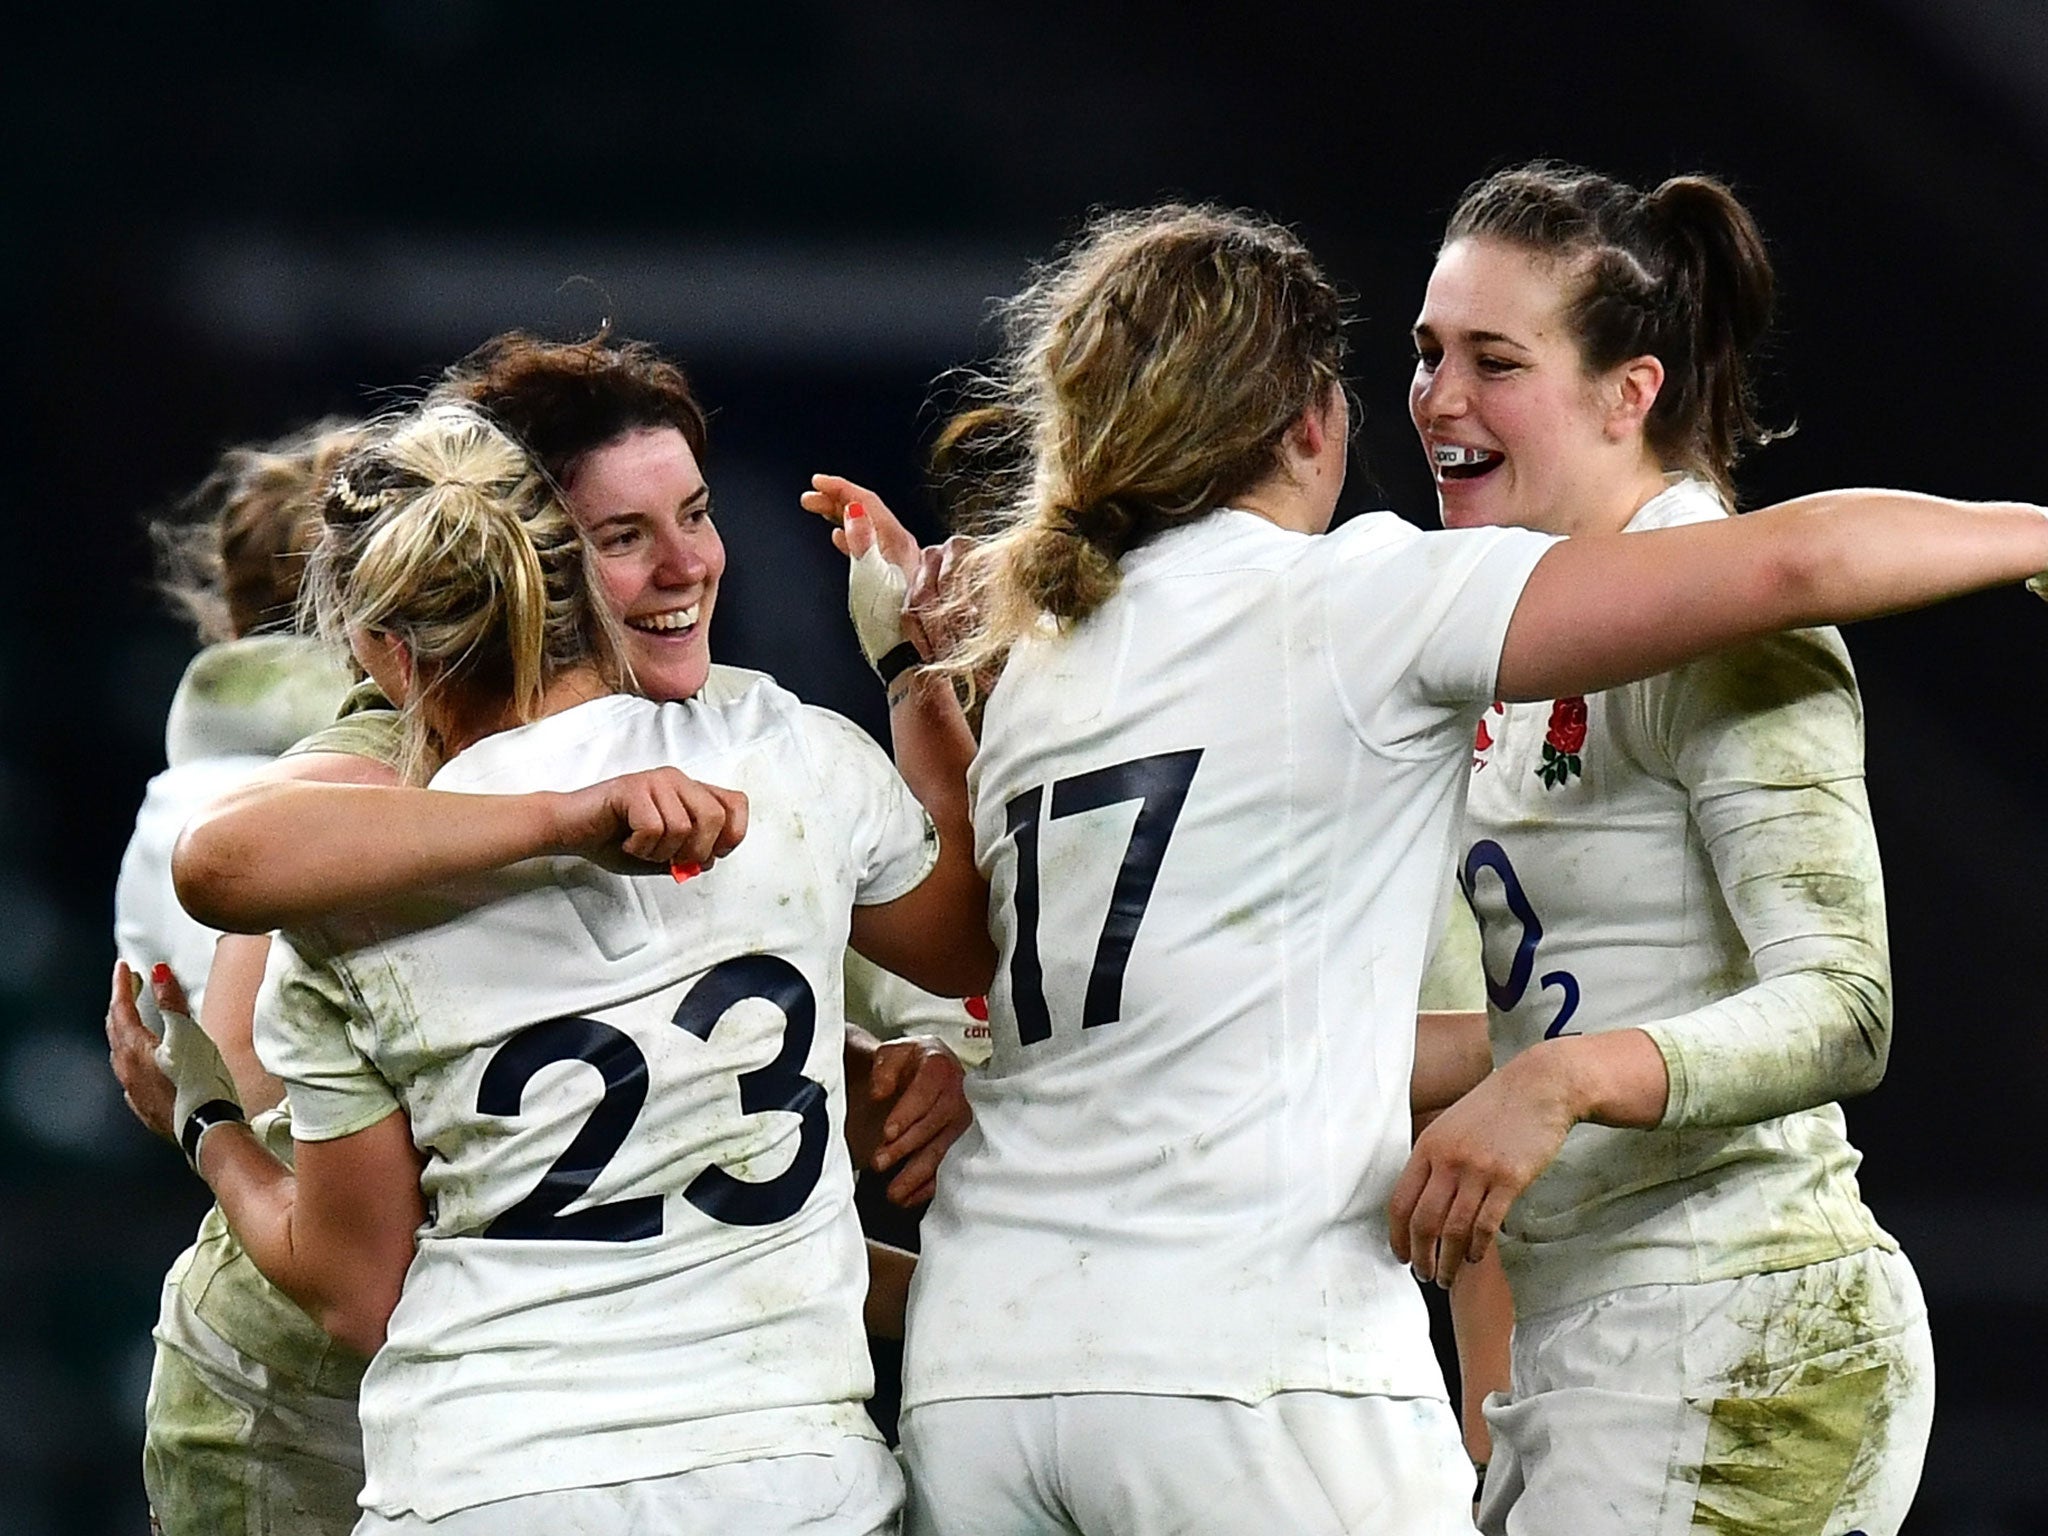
[
  {"x": 359, "y": 1317},
  {"x": 204, "y": 865},
  {"x": 1866, "y": 1047},
  {"x": 966, "y": 968},
  {"x": 1804, "y": 578}
]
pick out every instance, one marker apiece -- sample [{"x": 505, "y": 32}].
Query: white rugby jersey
[
  {"x": 641, "y": 1254},
  {"x": 1218, "y": 819},
  {"x": 239, "y": 704},
  {"x": 888, "y": 1007},
  {"x": 1691, "y": 854}
]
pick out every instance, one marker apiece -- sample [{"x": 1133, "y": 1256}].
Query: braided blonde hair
[{"x": 445, "y": 535}]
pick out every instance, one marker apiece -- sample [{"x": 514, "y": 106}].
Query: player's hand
[
  {"x": 933, "y": 617},
  {"x": 659, "y": 815},
  {"x": 1472, "y": 1163},
  {"x": 131, "y": 1047},
  {"x": 830, "y": 496},
  {"x": 202, "y": 1092},
  {"x": 882, "y": 557},
  {"x": 924, "y": 1087}
]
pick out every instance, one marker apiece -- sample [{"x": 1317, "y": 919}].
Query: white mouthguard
[{"x": 1453, "y": 456}]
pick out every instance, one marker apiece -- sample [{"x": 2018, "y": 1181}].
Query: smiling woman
[
  {"x": 684, "y": 1347},
  {"x": 621, "y": 431},
  {"x": 1678, "y": 886}
]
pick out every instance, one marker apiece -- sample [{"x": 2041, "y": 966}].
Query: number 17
[{"x": 1161, "y": 784}]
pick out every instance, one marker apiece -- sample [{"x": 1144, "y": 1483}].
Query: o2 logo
[{"x": 1505, "y": 995}]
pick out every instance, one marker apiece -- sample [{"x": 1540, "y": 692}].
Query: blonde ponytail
[{"x": 443, "y": 534}]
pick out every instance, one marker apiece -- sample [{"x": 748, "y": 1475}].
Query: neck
[
  {"x": 459, "y": 728},
  {"x": 1283, "y": 500},
  {"x": 1609, "y": 508}
]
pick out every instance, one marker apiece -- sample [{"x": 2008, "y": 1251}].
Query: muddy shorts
[
  {"x": 1793, "y": 1404},
  {"x": 233, "y": 1448}
]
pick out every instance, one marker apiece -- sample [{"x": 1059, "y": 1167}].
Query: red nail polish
[
  {"x": 682, "y": 872},
  {"x": 855, "y": 509},
  {"x": 160, "y": 974}
]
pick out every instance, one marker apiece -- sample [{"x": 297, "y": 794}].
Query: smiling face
[
  {"x": 1516, "y": 431},
  {"x": 642, "y": 502}
]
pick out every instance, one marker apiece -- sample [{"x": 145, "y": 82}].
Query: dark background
[{"x": 224, "y": 219}]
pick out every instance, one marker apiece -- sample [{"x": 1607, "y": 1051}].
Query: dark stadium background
[{"x": 222, "y": 219}]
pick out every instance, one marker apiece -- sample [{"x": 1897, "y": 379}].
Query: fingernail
[
  {"x": 160, "y": 974},
  {"x": 855, "y": 509},
  {"x": 682, "y": 872}
]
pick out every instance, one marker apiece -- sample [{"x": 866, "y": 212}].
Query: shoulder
[
  {"x": 1781, "y": 710},
  {"x": 254, "y": 695}
]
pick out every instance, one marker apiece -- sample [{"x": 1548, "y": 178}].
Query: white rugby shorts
[
  {"x": 1125, "y": 1464},
  {"x": 857, "y": 1490},
  {"x": 1793, "y": 1401}
]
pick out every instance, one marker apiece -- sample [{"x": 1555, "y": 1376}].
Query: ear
[
  {"x": 1308, "y": 434},
  {"x": 1634, "y": 388},
  {"x": 1315, "y": 427}
]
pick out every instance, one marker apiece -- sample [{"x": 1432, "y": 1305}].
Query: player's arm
[
  {"x": 1452, "y": 1056},
  {"x": 276, "y": 853},
  {"x": 1483, "y": 1325},
  {"x": 1768, "y": 742},
  {"x": 937, "y": 935},
  {"x": 336, "y": 1235},
  {"x": 889, "y": 1272},
  {"x": 229, "y": 1015},
  {"x": 1605, "y": 610}
]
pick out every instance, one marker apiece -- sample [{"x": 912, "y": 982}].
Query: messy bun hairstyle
[{"x": 444, "y": 534}]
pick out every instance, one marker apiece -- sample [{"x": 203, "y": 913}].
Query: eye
[
  {"x": 620, "y": 536},
  {"x": 1497, "y": 365},
  {"x": 1427, "y": 358}
]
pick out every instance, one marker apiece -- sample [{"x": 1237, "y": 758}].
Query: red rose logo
[
  {"x": 1567, "y": 725},
  {"x": 1563, "y": 742}
]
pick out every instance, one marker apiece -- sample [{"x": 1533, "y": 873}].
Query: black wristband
[
  {"x": 896, "y": 661},
  {"x": 203, "y": 1119}
]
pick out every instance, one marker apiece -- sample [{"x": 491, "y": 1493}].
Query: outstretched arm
[
  {"x": 276, "y": 853},
  {"x": 1605, "y": 610}
]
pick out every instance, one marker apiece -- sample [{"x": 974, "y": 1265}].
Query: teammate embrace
[{"x": 566, "y": 1134}]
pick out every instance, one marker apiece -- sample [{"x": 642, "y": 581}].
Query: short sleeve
[
  {"x": 890, "y": 836},
  {"x": 1416, "y": 620},
  {"x": 367, "y": 726},
  {"x": 303, "y": 1037}
]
